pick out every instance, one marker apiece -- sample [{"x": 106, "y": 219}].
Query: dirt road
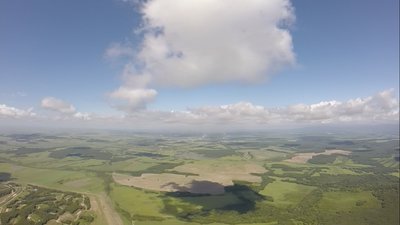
[{"x": 102, "y": 205}]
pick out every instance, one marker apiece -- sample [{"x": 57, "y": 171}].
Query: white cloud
[
  {"x": 58, "y": 105},
  {"x": 381, "y": 107},
  {"x": 238, "y": 112},
  {"x": 132, "y": 80},
  {"x": 199, "y": 42},
  {"x": 190, "y": 43},
  {"x": 135, "y": 98},
  {"x": 82, "y": 116},
  {"x": 65, "y": 110},
  {"x": 118, "y": 50},
  {"x": 132, "y": 1},
  {"x": 8, "y": 111}
]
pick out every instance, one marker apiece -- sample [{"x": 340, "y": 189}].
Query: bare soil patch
[
  {"x": 211, "y": 178},
  {"x": 223, "y": 173},
  {"x": 304, "y": 157},
  {"x": 102, "y": 206}
]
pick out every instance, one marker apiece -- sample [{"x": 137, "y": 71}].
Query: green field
[
  {"x": 137, "y": 202},
  {"x": 345, "y": 201},
  {"x": 285, "y": 194}
]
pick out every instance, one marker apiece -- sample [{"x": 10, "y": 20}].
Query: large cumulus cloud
[{"x": 199, "y": 42}]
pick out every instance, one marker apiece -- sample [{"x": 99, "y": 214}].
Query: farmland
[{"x": 145, "y": 178}]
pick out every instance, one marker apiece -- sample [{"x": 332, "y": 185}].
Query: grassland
[
  {"x": 286, "y": 194},
  {"x": 137, "y": 202},
  {"x": 337, "y": 201}
]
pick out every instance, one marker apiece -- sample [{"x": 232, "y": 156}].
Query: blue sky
[{"x": 343, "y": 50}]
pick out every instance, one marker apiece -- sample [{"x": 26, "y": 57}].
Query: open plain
[{"x": 140, "y": 178}]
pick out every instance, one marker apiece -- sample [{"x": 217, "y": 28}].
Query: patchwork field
[
  {"x": 208, "y": 177},
  {"x": 191, "y": 179},
  {"x": 223, "y": 172},
  {"x": 304, "y": 157}
]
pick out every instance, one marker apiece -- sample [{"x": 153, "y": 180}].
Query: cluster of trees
[
  {"x": 85, "y": 218},
  {"x": 45, "y": 204},
  {"x": 323, "y": 159},
  {"x": 86, "y": 202},
  {"x": 4, "y": 190}
]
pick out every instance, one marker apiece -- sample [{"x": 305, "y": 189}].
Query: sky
[{"x": 201, "y": 63}]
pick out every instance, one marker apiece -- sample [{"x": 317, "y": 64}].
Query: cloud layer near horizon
[
  {"x": 382, "y": 107},
  {"x": 64, "y": 109},
  {"x": 12, "y": 112},
  {"x": 218, "y": 42},
  {"x": 58, "y": 105}
]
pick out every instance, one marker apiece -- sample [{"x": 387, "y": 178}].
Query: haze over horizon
[{"x": 198, "y": 64}]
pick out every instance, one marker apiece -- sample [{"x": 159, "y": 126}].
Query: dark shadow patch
[
  {"x": 323, "y": 159},
  {"x": 149, "y": 154},
  {"x": 31, "y": 137},
  {"x": 215, "y": 153},
  {"x": 237, "y": 198},
  {"x": 290, "y": 145},
  {"x": 74, "y": 155},
  {"x": 247, "y": 196},
  {"x": 82, "y": 152},
  {"x": 159, "y": 168},
  {"x": 120, "y": 158},
  {"x": 341, "y": 143},
  {"x": 5, "y": 176},
  {"x": 24, "y": 151},
  {"x": 94, "y": 140},
  {"x": 198, "y": 188}
]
